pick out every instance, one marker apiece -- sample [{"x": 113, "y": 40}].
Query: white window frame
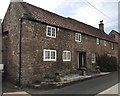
[
  {"x": 105, "y": 43},
  {"x": 78, "y": 37},
  {"x": 93, "y": 58},
  {"x": 67, "y": 59},
  {"x": 113, "y": 36},
  {"x": 51, "y": 31},
  {"x": 44, "y": 55},
  {"x": 98, "y": 41},
  {"x": 112, "y": 46}
]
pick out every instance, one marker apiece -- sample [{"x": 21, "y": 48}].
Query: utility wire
[
  {"x": 98, "y": 10},
  {"x": 116, "y": 20},
  {"x": 95, "y": 16},
  {"x": 103, "y": 14}
]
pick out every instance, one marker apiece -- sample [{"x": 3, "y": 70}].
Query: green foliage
[{"x": 107, "y": 63}]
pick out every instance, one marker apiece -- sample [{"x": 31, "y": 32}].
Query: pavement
[
  {"x": 68, "y": 79},
  {"x": 21, "y": 93},
  {"x": 9, "y": 89},
  {"x": 112, "y": 90},
  {"x": 89, "y": 87}
]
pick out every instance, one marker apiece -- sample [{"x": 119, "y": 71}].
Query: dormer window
[{"x": 51, "y": 32}]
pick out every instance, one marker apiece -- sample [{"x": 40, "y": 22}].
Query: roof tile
[{"x": 68, "y": 23}]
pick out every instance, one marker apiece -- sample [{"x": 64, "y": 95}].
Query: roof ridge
[
  {"x": 83, "y": 23},
  {"x": 61, "y": 16},
  {"x": 43, "y": 9},
  {"x": 115, "y": 31},
  {"x": 27, "y": 14}
]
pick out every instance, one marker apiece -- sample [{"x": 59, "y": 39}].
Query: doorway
[{"x": 81, "y": 60}]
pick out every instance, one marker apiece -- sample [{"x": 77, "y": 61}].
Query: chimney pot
[{"x": 101, "y": 25}]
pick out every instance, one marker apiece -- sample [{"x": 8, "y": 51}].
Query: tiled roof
[
  {"x": 115, "y": 32},
  {"x": 57, "y": 20}
]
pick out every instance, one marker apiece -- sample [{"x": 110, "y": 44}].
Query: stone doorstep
[{"x": 68, "y": 81}]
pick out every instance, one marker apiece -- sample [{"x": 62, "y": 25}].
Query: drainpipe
[{"x": 20, "y": 38}]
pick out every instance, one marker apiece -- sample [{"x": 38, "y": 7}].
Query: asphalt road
[{"x": 92, "y": 86}]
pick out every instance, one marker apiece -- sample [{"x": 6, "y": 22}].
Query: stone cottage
[{"x": 37, "y": 42}]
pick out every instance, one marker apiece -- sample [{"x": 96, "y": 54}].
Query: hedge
[{"x": 107, "y": 63}]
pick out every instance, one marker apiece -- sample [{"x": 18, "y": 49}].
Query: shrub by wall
[{"x": 107, "y": 63}]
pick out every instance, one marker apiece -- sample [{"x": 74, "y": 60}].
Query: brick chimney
[{"x": 101, "y": 25}]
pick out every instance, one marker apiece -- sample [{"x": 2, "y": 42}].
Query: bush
[{"x": 107, "y": 63}]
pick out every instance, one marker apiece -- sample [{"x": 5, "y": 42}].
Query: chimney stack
[{"x": 101, "y": 26}]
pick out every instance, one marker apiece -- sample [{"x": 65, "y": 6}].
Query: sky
[{"x": 90, "y": 12}]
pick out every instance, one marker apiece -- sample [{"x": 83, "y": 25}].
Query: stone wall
[
  {"x": 10, "y": 42},
  {"x": 34, "y": 41}
]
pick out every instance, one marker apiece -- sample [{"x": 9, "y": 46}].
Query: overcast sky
[{"x": 86, "y": 11}]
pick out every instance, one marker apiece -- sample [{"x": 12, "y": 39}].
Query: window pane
[
  {"x": 53, "y": 32},
  {"x": 79, "y": 37},
  {"x": 76, "y": 36},
  {"x": 104, "y": 43},
  {"x": 64, "y": 56},
  {"x": 98, "y": 41},
  {"x": 68, "y": 55},
  {"x": 52, "y": 55},
  {"x": 47, "y": 54},
  {"x": 112, "y": 46},
  {"x": 49, "y": 31},
  {"x": 93, "y": 58}
]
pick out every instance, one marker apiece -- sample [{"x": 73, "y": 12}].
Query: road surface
[{"x": 92, "y": 86}]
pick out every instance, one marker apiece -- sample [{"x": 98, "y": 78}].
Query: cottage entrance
[{"x": 81, "y": 59}]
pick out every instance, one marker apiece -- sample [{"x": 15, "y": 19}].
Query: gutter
[{"x": 20, "y": 38}]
